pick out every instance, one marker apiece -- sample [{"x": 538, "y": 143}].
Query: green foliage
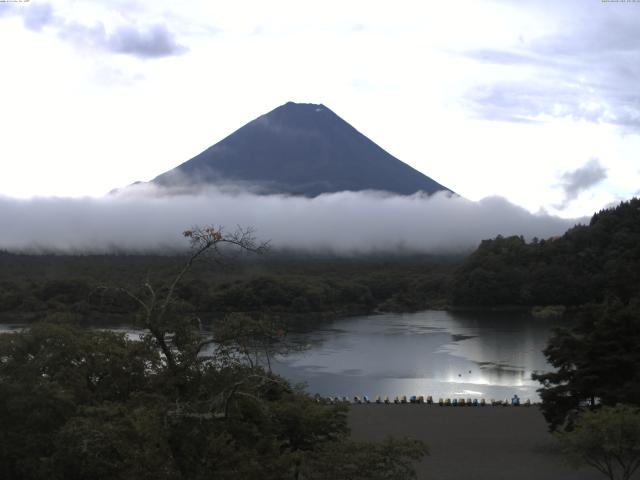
[
  {"x": 46, "y": 374},
  {"x": 548, "y": 311},
  {"x": 607, "y": 439},
  {"x": 78, "y": 403},
  {"x": 254, "y": 338},
  {"x": 586, "y": 264},
  {"x": 114, "y": 440},
  {"x": 301, "y": 286},
  {"x": 596, "y": 361}
]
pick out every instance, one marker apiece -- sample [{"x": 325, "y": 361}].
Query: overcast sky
[{"x": 534, "y": 101}]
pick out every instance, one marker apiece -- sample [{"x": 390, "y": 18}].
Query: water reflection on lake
[
  {"x": 443, "y": 354},
  {"x": 437, "y": 353},
  {"x": 130, "y": 332},
  {"x": 11, "y": 327}
]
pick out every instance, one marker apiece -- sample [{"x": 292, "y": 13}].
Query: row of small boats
[{"x": 443, "y": 402}]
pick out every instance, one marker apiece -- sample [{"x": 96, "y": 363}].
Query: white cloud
[
  {"x": 145, "y": 219},
  {"x": 144, "y": 41}
]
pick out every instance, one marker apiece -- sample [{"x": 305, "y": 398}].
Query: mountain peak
[
  {"x": 303, "y": 149},
  {"x": 299, "y": 115},
  {"x": 300, "y": 106},
  {"x": 292, "y": 108}
]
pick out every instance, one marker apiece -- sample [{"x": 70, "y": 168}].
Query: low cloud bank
[{"x": 146, "y": 219}]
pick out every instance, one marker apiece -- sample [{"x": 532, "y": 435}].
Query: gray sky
[{"x": 534, "y": 101}]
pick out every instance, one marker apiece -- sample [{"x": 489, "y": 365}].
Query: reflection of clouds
[
  {"x": 413, "y": 330},
  {"x": 490, "y": 377},
  {"x": 11, "y": 328},
  {"x": 509, "y": 377},
  {"x": 511, "y": 344},
  {"x": 337, "y": 384},
  {"x": 426, "y": 353},
  {"x": 469, "y": 392},
  {"x": 361, "y": 357}
]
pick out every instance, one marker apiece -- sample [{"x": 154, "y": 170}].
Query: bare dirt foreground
[{"x": 471, "y": 443}]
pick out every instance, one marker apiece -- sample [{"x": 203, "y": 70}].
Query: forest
[
  {"x": 79, "y": 403},
  {"x": 302, "y": 287},
  {"x": 585, "y": 265}
]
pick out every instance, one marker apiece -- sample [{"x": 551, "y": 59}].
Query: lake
[{"x": 443, "y": 354}]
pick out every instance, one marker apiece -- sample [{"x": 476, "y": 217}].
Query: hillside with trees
[{"x": 586, "y": 264}]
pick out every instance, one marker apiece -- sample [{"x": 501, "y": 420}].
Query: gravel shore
[{"x": 471, "y": 443}]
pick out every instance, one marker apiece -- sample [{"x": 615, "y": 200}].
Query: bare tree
[
  {"x": 175, "y": 339},
  {"x": 181, "y": 341}
]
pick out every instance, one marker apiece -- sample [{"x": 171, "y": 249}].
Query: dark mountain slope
[{"x": 302, "y": 149}]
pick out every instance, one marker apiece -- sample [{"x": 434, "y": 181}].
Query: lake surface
[{"x": 443, "y": 354}]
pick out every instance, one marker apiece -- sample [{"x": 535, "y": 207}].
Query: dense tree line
[
  {"x": 295, "y": 284},
  {"x": 596, "y": 361},
  {"x": 585, "y": 265},
  {"x": 592, "y": 398},
  {"x": 78, "y": 403}
]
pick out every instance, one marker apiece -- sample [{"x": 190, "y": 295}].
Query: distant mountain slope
[{"x": 301, "y": 149}]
